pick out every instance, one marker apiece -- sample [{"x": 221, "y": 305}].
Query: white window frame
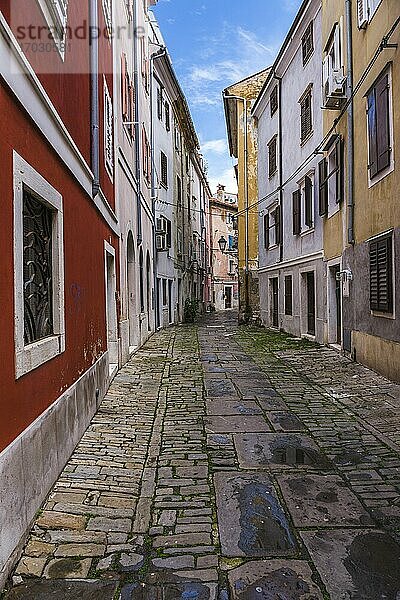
[
  {"x": 366, "y": 12},
  {"x": 390, "y": 168},
  {"x": 56, "y": 14},
  {"x": 333, "y": 206},
  {"x": 272, "y": 225},
  {"x": 108, "y": 131},
  {"x": 305, "y": 229},
  {"x": 31, "y": 356}
]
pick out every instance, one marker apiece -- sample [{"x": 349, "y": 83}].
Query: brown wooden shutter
[
  {"x": 381, "y": 284},
  {"x": 372, "y": 135},
  {"x": 266, "y": 231},
  {"x": 124, "y": 91},
  {"x": 308, "y": 217},
  {"x": 278, "y": 225},
  {"x": 323, "y": 187},
  {"x": 382, "y": 122},
  {"x": 339, "y": 151},
  {"x": 296, "y": 198}
]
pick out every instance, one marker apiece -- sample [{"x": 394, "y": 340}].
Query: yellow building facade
[{"x": 242, "y": 135}]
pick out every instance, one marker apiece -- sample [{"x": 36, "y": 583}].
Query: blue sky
[{"x": 214, "y": 43}]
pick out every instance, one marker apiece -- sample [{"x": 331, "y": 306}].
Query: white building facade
[{"x": 289, "y": 116}]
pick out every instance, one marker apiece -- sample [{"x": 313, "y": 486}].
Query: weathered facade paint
[{"x": 243, "y": 145}]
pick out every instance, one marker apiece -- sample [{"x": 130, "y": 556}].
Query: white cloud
[
  {"x": 226, "y": 178},
  {"x": 215, "y": 146}
]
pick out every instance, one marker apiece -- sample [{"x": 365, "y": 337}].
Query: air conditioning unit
[
  {"x": 161, "y": 225},
  {"x": 161, "y": 242},
  {"x": 334, "y": 82}
]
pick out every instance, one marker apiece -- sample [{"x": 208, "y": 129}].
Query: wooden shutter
[
  {"x": 323, "y": 187},
  {"x": 381, "y": 284},
  {"x": 339, "y": 155},
  {"x": 296, "y": 212},
  {"x": 372, "y": 134},
  {"x": 308, "y": 217},
  {"x": 266, "y": 231},
  {"x": 132, "y": 109},
  {"x": 159, "y": 104},
  {"x": 382, "y": 122},
  {"x": 278, "y": 225},
  {"x": 124, "y": 92},
  {"x": 362, "y": 13}
]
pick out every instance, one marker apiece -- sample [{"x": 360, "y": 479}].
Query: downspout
[
  {"x": 280, "y": 164},
  {"x": 94, "y": 94},
  {"x": 350, "y": 125},
  {"x": 137, "y": 124},
  {"x": 159, "y": 54}
]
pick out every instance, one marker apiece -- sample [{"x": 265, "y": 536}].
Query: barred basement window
[
  {"x": 38, "y": 275},
  {"x": 164, "y": 170},
  {"x": 307, "y": 43},
  {"x": 273, "y": 101},
  {"x": 306, "y": 114},
  {"x": 381, "y": 274}
]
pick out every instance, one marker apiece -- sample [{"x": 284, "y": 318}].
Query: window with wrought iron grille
[
  {"x": 39, "y": 269},
  {"x": 307, "y": 42},
  {"x": 306, "y": 115}
]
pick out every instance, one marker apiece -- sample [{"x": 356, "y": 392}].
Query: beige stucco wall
[{"x": 379, "y": 354}]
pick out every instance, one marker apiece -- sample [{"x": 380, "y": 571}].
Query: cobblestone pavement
[{"x": 227, "y": 462}]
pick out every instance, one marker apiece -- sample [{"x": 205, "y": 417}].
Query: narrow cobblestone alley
[{"x": 227, "y": 462}]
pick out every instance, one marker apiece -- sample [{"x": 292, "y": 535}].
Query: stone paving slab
[
  {"x": 251, "y": 519},
  {"x": 315, "y": 500},
  {"x": 232, "y": 407},
  {"x": 356, "y": 564},
  {"x": 273, "y": 579},
  {"x": 235, "y": 423},
  {"x": 279, "y": 451},
  {"x": 64, "y": 590}
]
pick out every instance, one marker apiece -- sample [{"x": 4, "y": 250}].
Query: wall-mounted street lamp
[{"x": 222, "y": 244}]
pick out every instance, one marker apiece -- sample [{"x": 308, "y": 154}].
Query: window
[
  {"x": 164, "y": 292},
  {"x": 288, "y": 295},
  {"x": 307, "y": 43},
  {"x": 146, "y": 155},
  {"x": 179, "y": 241},
  {"x": 378, "y": 114},
  {"x": 273, "y": 227},
  {"x": 167, "y": 117},
  {"x": 168, "y": 236},
  {"x": 366, "y": 10},
  {"x": 306, "y": 115},
  {"x": 381, "y": 274},
  {"x": 127, "y": 98},
  {"x": 159, "y": 103},
  {"x": 56, "y": 13},
  {"x": 141, "y": 281},
  {"x": 145, "y": 64},
  {"x": 107, "y": 10},
  {"x": 177, "y": 139},
  {"x": 333, "y": 78},
  {"x": 179, "y": 191},
  {"x": 231, "y": 266},
  {"x": 164, "y": 170},
  {"x": 273, "y": 100},
  {"x": 303, "y": 207},
  {"x": 331, "y": 178},
  {"x": 39, "y": 269},
  {"x": 108, "y": 131},
  {"x": 272, "y": 164}
]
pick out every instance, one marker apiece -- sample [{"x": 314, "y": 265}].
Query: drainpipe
[
  {"x": 246, "y": 199},
  {"x": 350, "y": 125},
  {"x": 94, "y": 94},
  {"x": 161, "y": 52},
  {"x": 137, "y": 124},
  {"x": 280, "y": 164}
]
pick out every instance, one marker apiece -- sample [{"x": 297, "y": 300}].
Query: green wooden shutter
[
  {"x": 339, "y": 170},
  {"x": 296, "y": 212},
  {"x": 323, "y": 187},
  {"x": 308, "y": 217},
  {"x": 382, "y": 122}
]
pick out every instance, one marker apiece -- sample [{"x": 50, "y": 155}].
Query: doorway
[
  {"x": 170, "y": 309},
  {"x": 228, "y": 294},
  {"x": 131, "y": 274},
  {"x": 335, "y": 305},
  {"x": 310, "y": 278},
  {"x": 274, "y": 290},
  {"x": 111, "y": 307}
]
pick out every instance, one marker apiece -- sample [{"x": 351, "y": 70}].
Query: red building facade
[{"x": 58, "y": 318}]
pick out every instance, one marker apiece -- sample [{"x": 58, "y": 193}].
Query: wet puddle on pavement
[
  {"x": 285, "y": 451},
  {"x": 251, "y": 519}
]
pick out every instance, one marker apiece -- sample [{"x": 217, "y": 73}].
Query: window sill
[
  {"x": 273, "y": 247},
  {"x": 164, "y": 185},
  {"x": 381, "y": 175},
  {"x": 36, "y": 354},
  {"x": 271, "y": 175},
  {"x": 307, "y": 60},
  {"x": 307, "y": 231},
  {"x": 383, "y": 315}
]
